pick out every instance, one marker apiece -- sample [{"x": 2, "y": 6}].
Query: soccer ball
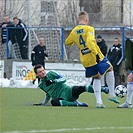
[{"x": 121, "y": 91}]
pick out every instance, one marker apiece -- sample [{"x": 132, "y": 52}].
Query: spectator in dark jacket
[
  {"x": 22, "y": 37},
  {"x": 4, "y": 29},
  {"x": 102, "y": 44},
  {"x": 115, "y": 57},
  {"x": 8, "y": 36},
  {"x": 103, "y": 47},
  {"x": 39, "y": 54}
]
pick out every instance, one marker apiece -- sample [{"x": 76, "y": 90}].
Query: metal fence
[{"x": 54, "y": 41}]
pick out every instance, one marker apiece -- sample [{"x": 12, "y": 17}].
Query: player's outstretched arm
[
  {"x": 37, "y": 104},
  {"x": 44, "y": 102}
]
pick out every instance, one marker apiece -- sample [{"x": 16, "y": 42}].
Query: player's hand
[
  {"x": 37, "y": 104},
  {"x": 97, "y": 58},
  {"x": 46, "y": 58},
  {"x": 49, "y": 82},
  {"x": 45, "y": 54}
]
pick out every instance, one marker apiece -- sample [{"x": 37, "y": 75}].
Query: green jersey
[{"x": 58, "y": 89}]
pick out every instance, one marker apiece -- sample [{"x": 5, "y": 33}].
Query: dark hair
[
  {"x": 99, "y": 36},
  {"x": 117, "y": 38},
  {"x": 37, "y": 67},
  {"x": 15, "y": 17}
]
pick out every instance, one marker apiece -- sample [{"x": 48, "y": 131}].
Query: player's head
[
  {"x": 41, "y": 41},
  {"x": 15, "y": 20},
  {"x": 116, "y": 41},
  {"x": 6, "y": 19},
  {"x": 99, "y": 38},
  {"x": 83, "y": 18},
  {"x": 40, "y": 71}
]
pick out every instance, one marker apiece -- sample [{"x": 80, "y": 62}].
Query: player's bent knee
[{"x": 55, "y": 102}]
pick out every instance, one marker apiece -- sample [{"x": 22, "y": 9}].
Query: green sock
[
  {"x": 102, "y": 89},
  {"x": 66, "y": 103},
  {"x": 90, "y": 89}
]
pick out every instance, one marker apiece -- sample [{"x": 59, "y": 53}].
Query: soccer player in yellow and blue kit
[
  {"x": 92, "y": 58},
  {"x": 61, "y": 94}
]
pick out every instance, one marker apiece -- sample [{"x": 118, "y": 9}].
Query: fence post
[
  {"x": 62, "y": 43},
  {"x": 29, "y": 33},
  {"x": 7, "y": 52},
  {"x": 123, "y": 43}
]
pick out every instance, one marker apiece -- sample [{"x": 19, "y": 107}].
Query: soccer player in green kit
[{"x": 61, "y": 94}]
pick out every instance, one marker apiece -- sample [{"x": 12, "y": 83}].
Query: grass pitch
[{"x": 18, "y": 115}]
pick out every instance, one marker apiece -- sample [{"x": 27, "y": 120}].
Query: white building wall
[
  {"x": 128, "y": 12},
  {"x": 132, "y": 13},
  {"x": 111, "y": 10},
  {"x": 34, "y": 12}
]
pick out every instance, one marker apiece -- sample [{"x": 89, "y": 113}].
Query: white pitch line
[{"x": 69, "y": 129}]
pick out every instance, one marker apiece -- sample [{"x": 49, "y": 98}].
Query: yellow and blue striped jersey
[{"x": 84, "y": 37}]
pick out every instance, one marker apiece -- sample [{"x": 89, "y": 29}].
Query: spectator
[
  {"x": 22, "y": 37},
  {"x": 115, "y": 57},
  {"x": 4, "y": 30},
  {"x": 39, "y": 54},
  {"x": 103, "y": 47},
  {"x": 11, "y": 39}
]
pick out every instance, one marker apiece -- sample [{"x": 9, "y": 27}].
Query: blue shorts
[
  {"x": 132, "y": 72},
  {"x": 101, "y": 68}
]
